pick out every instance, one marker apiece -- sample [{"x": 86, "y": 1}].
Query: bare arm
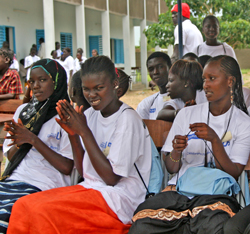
[
  {"x": 20, "y": 135},
  {"x": 167, "y": 113},
  {"x": 7, "y": 96},
  {"x": 173, "y": 159},
  {"x": 76, "y": 124},
  {"x": 175, "y": 55}
]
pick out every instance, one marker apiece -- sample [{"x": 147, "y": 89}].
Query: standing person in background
[
  {"x": 158, "y": 64},
  {"x": 41, "y": 51},
  {"x": 190, "y": 33},
  {"x": 58, "y": 49},
  {"x": 10, "y": 84},
  {"x": 79, "y": 60},
  {"x": 213, "y": 47},
  {"x": 29, "y": 60},
  {"x": 94, "y": 53},
  {"x": 67, "y": 61}
]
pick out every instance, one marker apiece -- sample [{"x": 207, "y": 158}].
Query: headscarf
[{"x": 36, "y": 113}]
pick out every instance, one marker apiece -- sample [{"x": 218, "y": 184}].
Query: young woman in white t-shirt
[
  {"x": 213, "y": 134},
  {"x": 114, "y": 141},
  {"x": 38, "y": 148},
  {"x": 185, "y": 87},
  {"x": 213, "y": 47}
]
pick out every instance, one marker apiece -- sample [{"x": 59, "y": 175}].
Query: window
[
  {"x": 7, "y": 33},
  {"x": 66, "y": 40},
  {"x": 95, "y": 42},
  {"x": 39, "y": 34},
  {"x": 119, "y": 52}
]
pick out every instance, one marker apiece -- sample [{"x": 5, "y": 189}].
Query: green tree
[{"x": 234, "y": 17}]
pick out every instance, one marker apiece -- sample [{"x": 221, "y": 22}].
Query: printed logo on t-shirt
[
  {"x": 194, "y": 137},
  {"x": 152, "y": 110},
  {"x": 55, "y": 135},
  {"x": 105, "y": 146}
]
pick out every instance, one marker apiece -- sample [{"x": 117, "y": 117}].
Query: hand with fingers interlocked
[
  {"x": 73, "y": 121},
  {"x": 19, "y": 134}
]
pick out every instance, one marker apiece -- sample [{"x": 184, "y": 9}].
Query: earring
[
  {"x": 116, "y": 87},
  {"x": 232, "y": 96},
  {"x": 186, "y": 86}
]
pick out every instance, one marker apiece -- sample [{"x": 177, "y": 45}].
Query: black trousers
[
  {"x": 240, "y": 223},
  {"x": 206, "y": 222}
]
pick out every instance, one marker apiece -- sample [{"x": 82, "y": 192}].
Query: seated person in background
[
  {"x": 105, "y": 201},
  {"x": 76, "y": 93},
  {"x": 10, "y": 83},
  {"x": 158, "y": 64},
  {"x": 185, "y": 87},
  {"x": 190, "y": 56},
  {"x": 212, "y": 47},
  {"x": 38, "y": 148},
  {"x": 212, "y": 134},
  {"x": 124, "y": 81},
  {"x": 203, "y": 60}
]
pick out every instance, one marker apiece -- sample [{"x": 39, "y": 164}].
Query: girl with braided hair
[
  {"x": 38, "y": 148},
  {"x": 213, "y": 134}
]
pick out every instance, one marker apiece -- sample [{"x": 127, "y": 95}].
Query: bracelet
[
  {"x": 173, "y": 160},
  {"x": 175, "y": 113}
]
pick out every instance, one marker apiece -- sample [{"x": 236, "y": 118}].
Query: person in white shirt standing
[
  {"x": 29, "y": 60},
  {"x": 191, "y": 35},
  {"x": 41, "y": 51},
  {"x": 79, "y": 60},
  {"x": 67, "y": 61}
]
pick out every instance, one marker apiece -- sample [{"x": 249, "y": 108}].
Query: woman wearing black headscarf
[{"x": 38, "y": 148}]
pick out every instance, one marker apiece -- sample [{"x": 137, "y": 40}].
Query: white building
[{"x": 105, "y": 25}]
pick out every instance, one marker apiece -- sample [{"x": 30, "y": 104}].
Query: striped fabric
[{"x": 10, "y": 191}]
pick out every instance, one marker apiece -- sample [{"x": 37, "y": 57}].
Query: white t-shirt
[
  {"x": 34, "y": 168},
  {"x": 77, "y": 64},
  {"x": 29, "y": 60},
  {"x": 59, "y": 53},
  {"x": 68, "y": 65},
  {"x": 238, "y": 148},
  {"x": 149, "y": 107},
  {"x": 191, "y": 37},
  {"x": 15, "y": 65},
  {"x": 41, "y": 51},
  {"x": 177, "y": 103},
  {"x": 125, "y": 140},
  {"x": 246, "y": 94},
  {"x": 224, "y": 49}
]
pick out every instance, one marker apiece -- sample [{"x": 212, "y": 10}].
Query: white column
[
  {"x": 144, "y": 49},
  {"x": 81, "y": 28},
  {"x": 126, "y": 41},
  {"x": 106, "y": 31},
  {"x": 49, "y": 26},
  {"x": 132, "y": 44}
]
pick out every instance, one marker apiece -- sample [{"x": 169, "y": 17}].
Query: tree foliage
[{"x": 234, "y": 17}]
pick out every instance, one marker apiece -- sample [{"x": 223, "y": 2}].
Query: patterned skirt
[
  {"x": 170, "y": 212},
  {"x": 10, "y": 191}
]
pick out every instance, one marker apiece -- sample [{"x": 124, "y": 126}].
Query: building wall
[
  {"x": 26, "y": 16},
  {"x": 118, "y": 6},
  {"x": 152, "y": 10},
  {"x": 65, "y": 22},
  {"x": 96, "y": 4},
  {"x": 136, "y": 9},
  {"x": 74, "y": 2},
  {"x": 164, "y": 7}
]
